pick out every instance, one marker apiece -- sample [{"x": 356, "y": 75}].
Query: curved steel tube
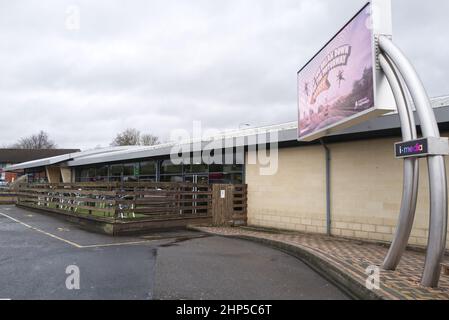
[
  {"x": 437, "y": 168},
  {"x": 423, "y": 107},
  {"x": 411, "y": 169}
]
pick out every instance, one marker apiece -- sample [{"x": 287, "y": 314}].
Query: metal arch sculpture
[
  {"x": 402, "y": 76},
  {"x": 411, "y": 168}
]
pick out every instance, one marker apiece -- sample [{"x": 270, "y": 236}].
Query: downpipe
[{"x": 328, "y": 188}]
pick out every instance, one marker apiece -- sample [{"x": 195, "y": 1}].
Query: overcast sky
[{"x": 158, "y": 65}]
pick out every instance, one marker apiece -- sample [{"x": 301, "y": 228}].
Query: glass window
[
  {"x": 91, "y": 172},
  {"x": 147, "y": 178},
  {"x": 167, "y": 167},
  {"x": 237, "y": 178},
  {"x": 216, "y": 176},
  {"x": 226, "y": 178},
  {"x": 84, "y": 173},
  {"x": 102, "y": 171},
  {"x": 116, "y": 170},
  {"x": 233, "y": 168},
  {"x": 196, "y": 168},
  {"x": 216, "y": 168},
  {"x": 148, "y": 168},
  {"x": 130, "y": 179},
  {"x": 226, "y": 168},
  {"x": 169, "y": 178},
  {"x": 128, "y": 169}
]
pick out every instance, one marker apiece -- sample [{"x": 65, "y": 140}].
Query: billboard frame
[{"x": 383, "y": 97}]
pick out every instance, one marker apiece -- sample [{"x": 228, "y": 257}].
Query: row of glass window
[{"x": 164, "y": 171}]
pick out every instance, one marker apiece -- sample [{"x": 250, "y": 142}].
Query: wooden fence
[
  {"x": 130, "y": 201},
  {"x": 7, "y": 196}
]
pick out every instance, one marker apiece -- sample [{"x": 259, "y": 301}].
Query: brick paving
[{"x": 353, "y": 257}]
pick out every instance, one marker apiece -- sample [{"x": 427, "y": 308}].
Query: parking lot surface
[{"x": 38, "y": 254}]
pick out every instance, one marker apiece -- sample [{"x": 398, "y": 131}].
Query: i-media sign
[
  {"x": 414, "y": 148},
  {"x": 422, "y": 148}
]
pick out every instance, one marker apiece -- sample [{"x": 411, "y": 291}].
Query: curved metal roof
[
  {"x": 58, "y": 159},
  {"x": 286, "y": 132}
]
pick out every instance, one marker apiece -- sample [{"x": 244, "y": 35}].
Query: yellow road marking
[{"x": 76, "y": 245}]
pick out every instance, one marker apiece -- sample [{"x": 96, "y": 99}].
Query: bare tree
[
  {"x": 37, "y": 141},
  {"x": 149, "y": 140},
  {"x": 133, "y": 137},
  {"x": 129, "y": 137}
]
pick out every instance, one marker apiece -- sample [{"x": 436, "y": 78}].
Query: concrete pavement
[{"x": 346, "y": 261}]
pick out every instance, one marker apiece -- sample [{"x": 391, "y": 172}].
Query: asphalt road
[{"x": 35, "y": 251}]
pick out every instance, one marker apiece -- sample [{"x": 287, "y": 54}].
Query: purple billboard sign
[{"x": 337, "y": 85}]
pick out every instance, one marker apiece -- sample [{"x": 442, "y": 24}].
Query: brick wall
[{"x": 366, "y": 192}]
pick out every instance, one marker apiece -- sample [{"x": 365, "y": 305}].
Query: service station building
[{"x": 348, "y": 184}]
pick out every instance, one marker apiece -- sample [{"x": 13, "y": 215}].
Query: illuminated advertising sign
[{"x": 338, "y": 87}]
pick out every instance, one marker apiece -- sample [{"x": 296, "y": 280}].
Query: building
[
  {"x": 365, "y": 179},
  {"x": 14, "y": 156}
]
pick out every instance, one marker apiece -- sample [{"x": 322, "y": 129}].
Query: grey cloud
[{"x": 158, "y": 65}]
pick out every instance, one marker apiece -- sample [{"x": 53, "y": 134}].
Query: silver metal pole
[
  {"x": 411, "y": 170},
  {"x": 437, "y": 168},
  {"x": 421, "y": 99},
  {"x": 438, "y": 222}
]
